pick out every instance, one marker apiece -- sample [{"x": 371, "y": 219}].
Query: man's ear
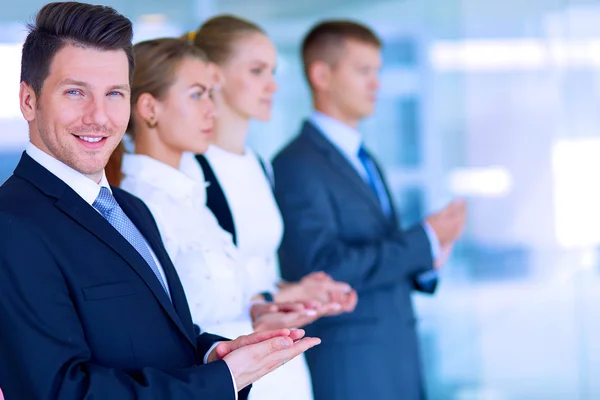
[
  {"x": 319, "y": 75},
  {"x": 27, "y": 101}
]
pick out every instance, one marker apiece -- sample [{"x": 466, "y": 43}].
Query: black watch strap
[{"x": 267, "y": 296}]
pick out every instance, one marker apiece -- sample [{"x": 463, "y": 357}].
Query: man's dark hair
[
  {"x": 71, "y": 23},
  {"x": 325, "y": 41}
]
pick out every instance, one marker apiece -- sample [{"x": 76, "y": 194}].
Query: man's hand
[
  {"x": 444, "y": 255},
  {"x": 224, "y": 348},
  {"x": 251, "y": 357},
  {"x": 449, "y": 223}
]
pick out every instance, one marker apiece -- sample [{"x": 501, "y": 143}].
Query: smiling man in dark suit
[
  {"x": 90, "y": 303},
  {"x": 340, "y": 218}
]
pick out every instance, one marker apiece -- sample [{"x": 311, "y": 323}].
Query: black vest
[{"x": 215, "y": 197}]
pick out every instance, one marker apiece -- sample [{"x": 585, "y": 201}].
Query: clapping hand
[
  {"x": 253, "y": 356},
  {"x": 449, "y": 223},
  {"x": 269, "y": 316},
  {"x": 343, "y": 298}
]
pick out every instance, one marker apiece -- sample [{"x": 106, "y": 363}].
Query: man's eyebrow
[
  {"x": 123, "y": 87},
  {"x": 75, "y": 82}
]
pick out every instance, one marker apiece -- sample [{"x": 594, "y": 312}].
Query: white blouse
[
  {"x": 257, "y": 220},
  {"x": 203, "y": 253},
  {"x": 259, "y": 228}
]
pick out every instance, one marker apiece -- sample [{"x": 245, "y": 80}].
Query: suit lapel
[
  {"x": 75, "y": 207},
  {"x": 342, "y": 166},
  {"x": 179, "y": 301}
]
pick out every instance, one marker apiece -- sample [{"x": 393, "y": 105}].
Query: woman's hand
[
  {"x": 319, "y": 287},
  {"x": 268, "y": 316}
]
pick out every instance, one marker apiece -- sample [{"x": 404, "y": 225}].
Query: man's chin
[
  {"x": 93, "y": 171},
  {"x": 365, "y": 114}
]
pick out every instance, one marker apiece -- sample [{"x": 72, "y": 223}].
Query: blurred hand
[
  {"x": 347, "y": 301},
  {"x": 251, "y": 358},
  {"x": 260, "y": 309},
  {"x": 444, "y": 255},
  {"x": 285, "y": 319},
  {"x": 449, "y": 223},
  {"x": 289, "y": 315},
  {"x": 317, "y": 286}
]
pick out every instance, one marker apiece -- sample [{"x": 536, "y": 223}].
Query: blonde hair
[{"x": 217, "y": 36}]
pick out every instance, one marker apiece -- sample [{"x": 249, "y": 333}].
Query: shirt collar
[
  {"x": 190, "y": 167},
  {"x": 159, "y": 175},
  {"x": 81, "y": 184},
  {"x": 347, "y": 139}
]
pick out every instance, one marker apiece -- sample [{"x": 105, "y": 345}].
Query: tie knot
[
  {"x": 105, "y": 201},
  {"x": 362, "y": 153}
]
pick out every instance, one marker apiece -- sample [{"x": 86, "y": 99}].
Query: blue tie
[
  {"x": 106, "y": 204},
  {"x": 375, "y": 180},
  {"x": 428, "y": 279}
]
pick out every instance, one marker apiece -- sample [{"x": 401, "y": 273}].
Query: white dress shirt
[
  {"x": 348, "y": 141},
  {"x": 88, "y": 190}
]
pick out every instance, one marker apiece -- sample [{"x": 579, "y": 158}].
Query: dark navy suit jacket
[
  {"x": 81, "y": 313},
  {"x": 334, "y": 222}
]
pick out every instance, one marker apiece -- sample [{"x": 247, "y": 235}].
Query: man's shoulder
[
  {"x": 18, "y": 194},
  {"x": 20, "y": 205},
  {"x": 298, "y": 150}
]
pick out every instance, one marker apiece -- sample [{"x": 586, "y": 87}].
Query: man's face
[
  {"x": 354, "y": 79},
  {"x": 83, "y": 109}
]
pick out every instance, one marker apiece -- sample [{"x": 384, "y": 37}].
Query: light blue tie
[
  {"x": 106, "y": 204},
  {"x": 375, "y": 180}
]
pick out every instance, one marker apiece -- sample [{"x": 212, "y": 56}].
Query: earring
[{"x": 152, "y": 123}]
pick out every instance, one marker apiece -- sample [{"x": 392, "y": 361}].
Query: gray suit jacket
[{"x": 334, "y": 223}]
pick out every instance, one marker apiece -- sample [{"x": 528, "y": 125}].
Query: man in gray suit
[{"x": 340, "y": 218}]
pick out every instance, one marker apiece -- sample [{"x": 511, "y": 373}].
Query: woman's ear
[
  {"x": 216, "y": 75},
  {"x": 148, "y": 109}
]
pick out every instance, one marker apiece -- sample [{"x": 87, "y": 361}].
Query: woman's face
[
  {"x": 186, "y": 113},
  {"x": 248, "y": 83}
]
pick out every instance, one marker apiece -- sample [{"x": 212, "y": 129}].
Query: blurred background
[{"x": 494, "y": 101}]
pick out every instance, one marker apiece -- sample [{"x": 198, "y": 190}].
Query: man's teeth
[{"x": 90, "y": 139}]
